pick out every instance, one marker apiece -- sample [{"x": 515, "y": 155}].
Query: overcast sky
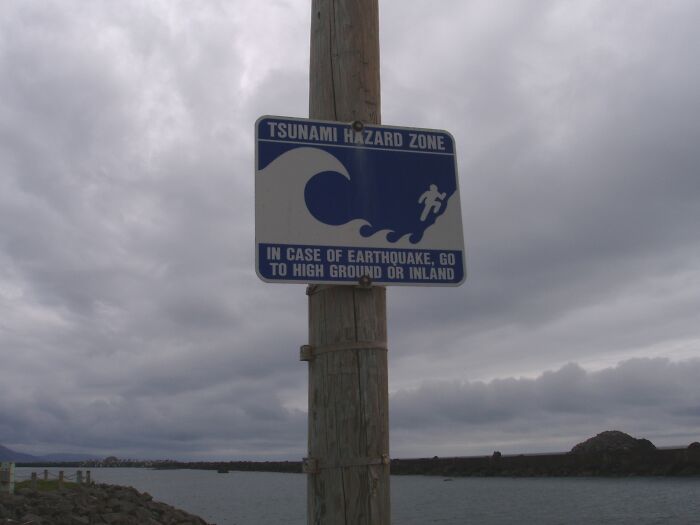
[{"x": 131, "y": 319}]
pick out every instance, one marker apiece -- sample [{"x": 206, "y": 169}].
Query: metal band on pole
[
  {"x": 308, "y": 352},
  {"x": 314, "y": 466}
]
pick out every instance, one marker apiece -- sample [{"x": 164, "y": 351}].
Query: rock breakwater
[
  {"x": 610, "y": 453},
  {"x": 88, "y": 505}
]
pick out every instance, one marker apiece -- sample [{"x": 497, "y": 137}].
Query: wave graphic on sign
[
  {"x": 325, "y": 204},
  {"x": 407, "y": 209}
]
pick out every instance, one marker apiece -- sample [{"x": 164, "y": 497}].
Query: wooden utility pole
[{"x": 348, "y": 463}]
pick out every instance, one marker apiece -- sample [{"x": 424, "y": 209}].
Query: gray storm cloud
[
  {"x": 654, "y": 398},
  {"x": 131, "y": 319}
]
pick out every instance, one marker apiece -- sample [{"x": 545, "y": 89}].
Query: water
[{"x": 261, "y": 498}]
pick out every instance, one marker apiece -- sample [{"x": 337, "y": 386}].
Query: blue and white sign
[{"x": 334, "y": 204}]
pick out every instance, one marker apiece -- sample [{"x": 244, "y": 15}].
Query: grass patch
[{"x": 44, "y": 486}]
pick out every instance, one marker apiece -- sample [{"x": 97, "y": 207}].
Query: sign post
[
  {"x": 350, "y": 206},
  {"x": 348, "y": 482}
]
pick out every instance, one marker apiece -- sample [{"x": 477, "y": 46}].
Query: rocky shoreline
[
  {"x": 610, "y": 453},
  {"x": 88, "y": 505}
]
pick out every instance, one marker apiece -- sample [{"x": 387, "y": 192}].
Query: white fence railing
[{"x": 8, "y": 477}]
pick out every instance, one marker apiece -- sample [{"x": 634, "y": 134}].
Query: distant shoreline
[{"x": 659, "y": 462}]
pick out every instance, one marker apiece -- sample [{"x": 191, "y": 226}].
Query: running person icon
[{"x": 433, "y": 201}]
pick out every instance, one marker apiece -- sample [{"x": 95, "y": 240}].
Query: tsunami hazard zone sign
[{"x": 337, "y": 202}]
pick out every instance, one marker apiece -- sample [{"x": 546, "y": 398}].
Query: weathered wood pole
[
  {"x": 348, "y": 463},
  {"x": 33, "y": 481},
  {"x": 46, "y": 474},
  {"x": 60, "y": 479},
  {"x": 79, "y": 477},
  {"x": 88, "y": 478}
]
